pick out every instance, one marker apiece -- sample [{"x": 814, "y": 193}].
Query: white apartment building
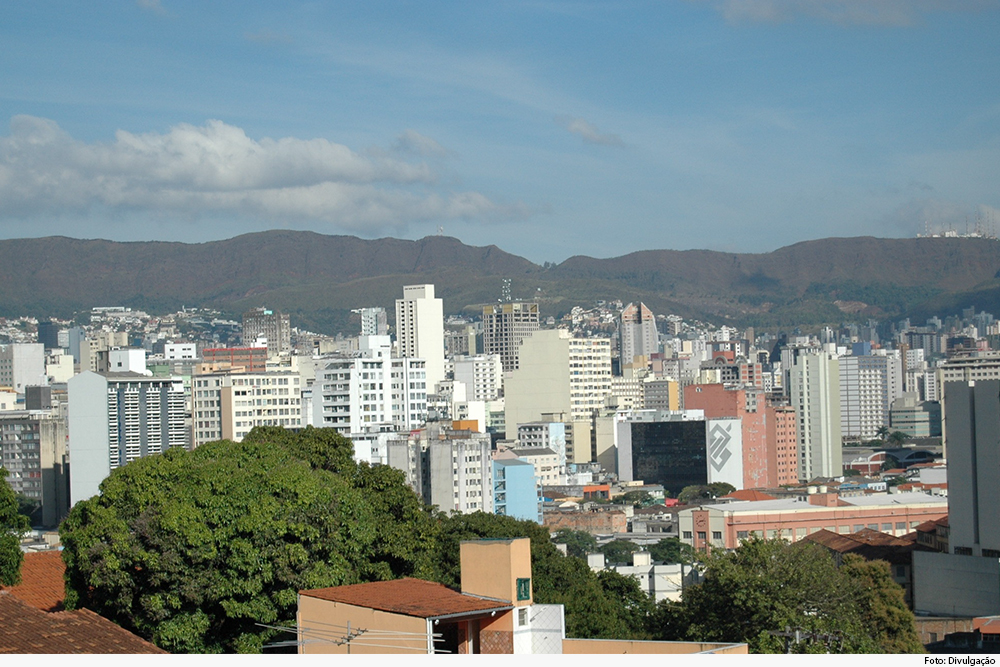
[
  {"x": 116, "y": 418},
  {"x": 371, "y": 393},
  {"x": 482, "y": 375},
  {"x": 226, "y": 406},
  {"x": 868, "y": 386},
  {"x": 420, "y": 330},
  {"x": 814, "y": 388}
]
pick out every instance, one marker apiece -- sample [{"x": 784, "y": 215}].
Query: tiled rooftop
[
  {"x": 411, "y": 597},
  {"x": 42, "y": 585},
  {"x": 30, "y": 630}
]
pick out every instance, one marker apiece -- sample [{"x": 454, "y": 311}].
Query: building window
[
  {"x": 523, "y": 589},
  {"x": 742, "y": 535},
  {"x": 522, "y": 616},
  {"x": 687, "y": 534},
  {"x": 701, "y": 535},
  {"x": 963, "y": 551},
  {"x": 716, "y": 534}
]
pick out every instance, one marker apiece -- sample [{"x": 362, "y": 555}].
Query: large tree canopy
[
  {"x": 193, "y": 549},
  {"x": 13, "y": 525},
  {"x": 766, "y": 586}
]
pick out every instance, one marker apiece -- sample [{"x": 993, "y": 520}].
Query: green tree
[
  {"x": 619, "y": 551},
  {"x": 578, "y": 543},
  {"x": 555, "y": 578},
  {"x": 13, "y": 526},
  {"x": 882, "y": 433},
  {"x": 765, "y": 586},
  {"x": 193, "y": 549},
  {"x": 636, "y": 498},
  {"x": 672, "y": 550},
  {"x": 883, "y": 605},
  {"x": 633, "y": 605},
  {"x": 697, "y": 492}
]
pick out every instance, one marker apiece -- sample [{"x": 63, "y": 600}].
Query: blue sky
[{"x": 550, "y": 129}]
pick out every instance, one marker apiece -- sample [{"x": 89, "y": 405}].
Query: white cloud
[
  {"x": 897, "y": 13},
  {"x": 588, "y": 132},
  {"x": 413, "y": 142},
  {"x": 218, "y": 168}
]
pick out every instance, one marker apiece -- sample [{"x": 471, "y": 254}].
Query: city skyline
[{"x": 538, "y": 127}]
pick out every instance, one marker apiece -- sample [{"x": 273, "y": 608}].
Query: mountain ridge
[{"x": 319, "y": 278}]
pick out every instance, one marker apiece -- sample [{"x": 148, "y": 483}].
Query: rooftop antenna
[{"x": 440, "y": 230}]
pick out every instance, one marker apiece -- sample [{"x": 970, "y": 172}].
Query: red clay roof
[
  {"x": 42, "y": 585},
  {"x": 749, "y": 494},
  {"x": 411, "y": 597},
  {"x": 30, "y": 630}
]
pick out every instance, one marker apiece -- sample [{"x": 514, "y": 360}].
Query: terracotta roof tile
[
  {"x": 411, "y": 597},
  {"x": 30, "y": 630},
  {"x": 750, "y": 494},
  {"x": 42, "y": 583}
]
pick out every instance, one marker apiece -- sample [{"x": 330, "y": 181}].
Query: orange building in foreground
[{"x": 493, "y": 613}]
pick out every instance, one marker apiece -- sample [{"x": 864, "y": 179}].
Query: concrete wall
[
  {"x": 541, "y": 383},
  {"x": 90, "y": 461},
  {"x": 950, "y": 585}
]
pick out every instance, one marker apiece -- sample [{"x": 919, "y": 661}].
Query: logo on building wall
[
  {"x": 719, "y": 437},
  {"x": 724, "y": 451}
]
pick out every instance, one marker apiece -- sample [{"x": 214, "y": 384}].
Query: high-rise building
[
  {"x": 269, "y": 324},
  {"x": 22, "y": 364},
  {"x": 505, "y": 326},
  {"x": 759, "y": 439},
  {"x": 557, "y": 374},
  {"x": 116, "y": 418},
  {"x": 370, "y": 393},
  {"x": 373, "y": 321},
  {"x": 482, "y": 375},
  {"x": 33, "y": 450},
  {"x": 448, "y": 468},
  {"x": 868, "y": 386},
  {"x": 48, "y": 335},
  {"x": 667, "y": 448},
  {"x": 229, "y": 405},
  {"x": 639, "y": 337},
  {"x": 814, "y": 387},
  {"x": 420, "y": 330}
]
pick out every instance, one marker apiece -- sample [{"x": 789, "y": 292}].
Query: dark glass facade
[{"x": 669, "y": 453}]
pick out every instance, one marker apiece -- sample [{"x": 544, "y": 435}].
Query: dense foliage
[
  {"x": 13, "y": 525},
  {"x": 193, "y": 549},
  {"x": 768, "y": 586},
  {"x": 696, "y": 492}
]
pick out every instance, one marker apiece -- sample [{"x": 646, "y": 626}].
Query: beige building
[
  {"x": 228, "y": 405},
  {"x": 558, "y": 373},
  {"x": 494, "y": 612},
  {"x": 420, "y": 330}
]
